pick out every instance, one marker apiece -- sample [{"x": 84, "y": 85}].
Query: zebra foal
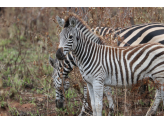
[{"x": 110, "y": 66}]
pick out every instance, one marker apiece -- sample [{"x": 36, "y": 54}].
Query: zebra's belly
[
  {"x": 113, "y": 84},
  {"x": 111, "y": 81},
  {"x": 119, "y": 84}
]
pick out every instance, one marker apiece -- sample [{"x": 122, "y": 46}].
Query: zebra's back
[
  {"x": 137, "y": 34},
  {"x": 128, "y": 65}
]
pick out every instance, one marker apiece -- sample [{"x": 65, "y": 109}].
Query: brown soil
[
  {"x": 31, "y": 104},
  {"x": 39, "y": 105}
]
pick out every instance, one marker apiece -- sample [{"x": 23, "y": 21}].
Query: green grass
[
  {"x": 4, "y": 42},
  {"x": 13, "y": 111}
]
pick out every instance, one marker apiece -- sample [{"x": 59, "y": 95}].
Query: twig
[
  {"x": 47, "y": 100},
  {"x": 117, "y": 101},
  {"x": 125, "y": 110}
]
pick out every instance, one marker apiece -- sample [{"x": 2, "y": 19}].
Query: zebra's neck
[
  {"x": 89, "y": 34},
  {"x": 87, "y": 52}
]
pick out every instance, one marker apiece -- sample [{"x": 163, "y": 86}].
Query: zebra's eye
[{"x": 70, "y": 37}]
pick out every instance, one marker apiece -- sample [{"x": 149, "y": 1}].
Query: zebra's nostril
[{"x": 59, "y": 54}]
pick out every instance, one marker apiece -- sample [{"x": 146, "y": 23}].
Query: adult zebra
[
  {"x": 132, "y": 36},
  {"x": 112, "y": 66}
]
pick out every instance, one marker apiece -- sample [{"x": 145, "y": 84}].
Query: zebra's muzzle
[
  {"x": 59, "y": 104},
  {"x": 59, "y": 54}
]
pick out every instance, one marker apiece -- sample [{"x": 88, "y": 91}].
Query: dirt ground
[{"x": 32, "y": 104}]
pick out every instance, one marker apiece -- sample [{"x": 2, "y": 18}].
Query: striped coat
[{"x": 112, "y": 66}]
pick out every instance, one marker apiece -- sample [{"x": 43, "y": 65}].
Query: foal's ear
[
  {"x": 60, "y": 21},
  {"x": 53, "y": 63},
  {"x": 72, "y": 21}
]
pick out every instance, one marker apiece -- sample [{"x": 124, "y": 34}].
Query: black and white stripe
[
  {"x": 149, "y": 32},
  {"x": 104, "y": 65}
]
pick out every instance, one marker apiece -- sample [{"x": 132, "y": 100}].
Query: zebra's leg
[
  {"x": 85, "y": 103},
  {"x": 98, "y": 87},
  {"x": 92, "y": 97},
  {"x": 152, "y": 110},
  {"x": 158, "y": 96},
  {"x": 108, "y": 93}
]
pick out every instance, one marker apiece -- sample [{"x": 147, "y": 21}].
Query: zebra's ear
[
  {"x": 60, "y": 21},
  {"x": 72, "y": 21},
  {"x": 51, "y": 61}
]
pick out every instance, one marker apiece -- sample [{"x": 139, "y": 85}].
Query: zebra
[
  {"x": 100, "y": 65},
  {"x": 85, "y": 107},
  {"x": 127, "y": 32}
]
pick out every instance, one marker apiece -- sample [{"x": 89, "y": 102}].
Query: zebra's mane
[{"x": 67, "y": 24}]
